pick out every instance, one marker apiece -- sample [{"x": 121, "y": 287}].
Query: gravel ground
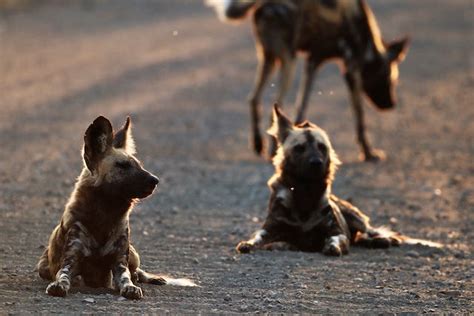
[{"x": 184, "y": 77}]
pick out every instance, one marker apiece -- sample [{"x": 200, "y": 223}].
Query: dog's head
[
  {"x": 110, "y": 159},
  {"x": 380, "y": 73},
  {"x": 380, "y": 63},
  {"x": 304, "y": 150}
]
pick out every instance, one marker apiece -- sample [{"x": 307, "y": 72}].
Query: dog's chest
[
  {"x": 301, "y": 210},
  {"x": 102, "y": 243}
]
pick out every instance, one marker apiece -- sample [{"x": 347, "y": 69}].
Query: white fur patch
[
  {"x": 180, "y": 282},
  {"x": 394, "y": 72},
  {"x": 258, "y": 237},
  {"x": 130, "y": 147},
  {"x": 285, "y": 196},
  {"x": 220, "y": 6},
  {"x": 375, "y": 30},
  {"x": 338, "y": 240},
  {"x": 423, "y": 242}
]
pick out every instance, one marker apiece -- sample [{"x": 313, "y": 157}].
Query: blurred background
[{"x": 184, "y": 76}]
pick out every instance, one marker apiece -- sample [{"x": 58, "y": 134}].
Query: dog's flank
[
  {"x": 324, "y": 30},
  {"x": 303, "y": 213},
  {"x": 92, "y": 240}
]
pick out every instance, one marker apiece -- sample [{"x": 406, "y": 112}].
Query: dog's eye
[
  {"x": 123, "y": 164},
  {"x": 322, "y": 148},
  {"x": 299, "y": 148}
]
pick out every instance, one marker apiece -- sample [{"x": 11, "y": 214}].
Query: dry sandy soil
[{"x": 184, "y": 77}]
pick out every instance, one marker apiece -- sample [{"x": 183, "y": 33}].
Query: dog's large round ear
[
  {"x": 97, "y": 142},
  {"x": 124, "y": 139},
  {"x": 281, "y": 125}
]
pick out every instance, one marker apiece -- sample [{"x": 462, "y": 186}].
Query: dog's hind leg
[
  {"x": 355, "y": 219},
  {"x": 43, "y": 266},
  {"x": 305, "y": 90},
  {"x": 264, "y": 70},
  {"x": 150, "y": 278},
  {"x": 362, "y": 233},
  {"x": 137, "y": 274}
]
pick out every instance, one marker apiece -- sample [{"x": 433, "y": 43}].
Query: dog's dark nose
[
  {"x": 153, "y": 181},
  {"x": 316, "y": 162}
]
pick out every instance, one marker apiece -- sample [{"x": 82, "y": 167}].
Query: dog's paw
[
  {"x": 373, "y": 155},
  {"x": 332, "y": 250},
  {"x": 57, "y": 289},
  {"x": 244, "y": 247},
  {"x": 131, "y": 292},
  {"x": 157, "y": 280}
]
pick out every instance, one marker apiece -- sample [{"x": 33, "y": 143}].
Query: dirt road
[{"x": 184, "y": 76}]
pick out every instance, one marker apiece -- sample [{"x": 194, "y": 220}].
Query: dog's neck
[{"x": 93, "y": 205}]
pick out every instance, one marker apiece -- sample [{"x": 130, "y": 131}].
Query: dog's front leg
[
  {"x": 73, "y": 251},
  {"x": 123, "y": 281},
  {"x": 337, "y": 243},
  {"x": 272, "y": 230},
  {"x": 260, "y": 238},
  {"x": 354, "y": 83},
  {"x": 121, "y": 271}
]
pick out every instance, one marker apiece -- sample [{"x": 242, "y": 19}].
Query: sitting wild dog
[
  {"x": 303, "y": 214},
  {"x": 92, "y": 241},
  {"x": 325, "y": 30}
]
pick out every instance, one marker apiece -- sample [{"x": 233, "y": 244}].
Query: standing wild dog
[
  {"x": 92, "y": 241},
  {"x": 303, "y": 214},
  {"x": 323, "y": 30}
]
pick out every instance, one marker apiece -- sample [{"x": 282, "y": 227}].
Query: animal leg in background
[
  {"x": 354, "y": 84},
  {"x": 264, "y": 70},
  {"x": 286, "y": 77},
  {"x": 305, "y": 90}
]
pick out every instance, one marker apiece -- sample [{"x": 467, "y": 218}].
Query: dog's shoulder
[{"x": 280, "y": 193}]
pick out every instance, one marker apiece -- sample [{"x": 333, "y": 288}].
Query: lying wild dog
[
  {"x": 324, "y": 30},
  {"x": 92, "y": 241},
  {"x": 303, "y": 214}
]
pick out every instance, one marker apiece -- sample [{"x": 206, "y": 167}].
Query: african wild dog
[
  {"x": 323, "y": 30},
  {"x": 92, "y": 241},
  {"x": 303, "y": 214}
]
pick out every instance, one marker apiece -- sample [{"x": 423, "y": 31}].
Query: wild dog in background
[
  {"x": 92, "y": 241},
  {"x": 323, "y": 30},
  {"x": 303, "y": 214}
]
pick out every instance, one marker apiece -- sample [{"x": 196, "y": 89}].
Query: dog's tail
[
  {"x": 231, "y": 9},
  {"x": 145, "y": 277},
  {"x": 384, "y": 237}
]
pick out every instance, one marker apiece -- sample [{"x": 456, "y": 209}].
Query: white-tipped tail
[
  {"x": 221, "y": 7},
  {"x": 416, "y": 241},
  {"x": 386, "y": 232},
  {"x": 179, "y": 282}
]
